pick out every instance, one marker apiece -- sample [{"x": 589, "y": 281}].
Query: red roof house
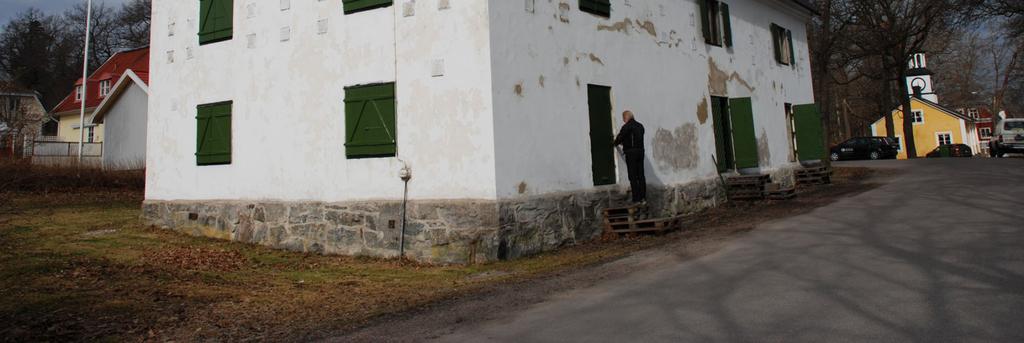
[{"x": 100, "y": 85}]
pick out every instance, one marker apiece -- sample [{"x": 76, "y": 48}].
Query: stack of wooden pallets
[
  {"x": 820, "y": 175},
  {"x": 774, "y": 191},
  {"x": 746, "y": 187},
  {"x": 625, "y": 220}
]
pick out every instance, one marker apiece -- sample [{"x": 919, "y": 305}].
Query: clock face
[{"x": 919, "y": 83}]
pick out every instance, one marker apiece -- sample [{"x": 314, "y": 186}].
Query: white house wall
[
  {"x": 125, "y": 146},
  {"x": 288, "y": 113},
  {"x": 653, "y": 55}
]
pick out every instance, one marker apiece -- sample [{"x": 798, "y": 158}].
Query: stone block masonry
[
  {"x": 436, "y": 231},
  {"x": 439, "y": 231}
]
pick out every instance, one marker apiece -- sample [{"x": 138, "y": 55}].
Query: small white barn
[
  {"x": 124, "y": 111},
  {"x": 288, "y": 123}
]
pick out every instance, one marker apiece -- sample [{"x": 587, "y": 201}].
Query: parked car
[
  {"x": 951, "y": 150},
  {"x": 874, "y": 148},
  {"x": 1008, "y": 137}
]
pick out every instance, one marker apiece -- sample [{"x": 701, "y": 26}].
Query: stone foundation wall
[
  {"x": 532, "y": 225},
  {"x": 436, "y": 231}
]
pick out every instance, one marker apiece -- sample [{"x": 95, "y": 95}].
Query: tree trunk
[
  {"x": 885, "y": 108},
  {"x": 908, "y": 116}
]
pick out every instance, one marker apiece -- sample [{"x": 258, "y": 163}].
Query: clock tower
[{"x": 919, "y": 78}]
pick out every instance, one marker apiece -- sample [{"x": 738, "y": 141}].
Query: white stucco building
[
  {"x": 125, "y": 112},
  {"x": 286, "y": 123}
]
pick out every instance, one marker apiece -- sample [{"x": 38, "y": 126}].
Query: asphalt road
[{"x": 936, "y": 254}]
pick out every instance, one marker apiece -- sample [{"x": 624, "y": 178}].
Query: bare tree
[
  {"x": 896, "y": 29},
  {"x": 134, "y": 20}
]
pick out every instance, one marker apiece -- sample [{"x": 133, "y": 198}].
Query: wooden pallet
[
  {"x": 654, "y": 225},
  {"x": 625, "y": 220},
  {"x": 781, "y": 194},
  {"x": 813, "y": 176},
  {"x": 746, "y": 187}
]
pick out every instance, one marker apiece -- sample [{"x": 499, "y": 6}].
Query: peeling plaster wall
[
  {"x": 653, "y": 55},
  {"x": 286, "y": 69}
]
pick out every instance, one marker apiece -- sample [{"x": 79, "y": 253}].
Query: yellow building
[
  {"x": 68, "y": 130},
  {"x": 934, "y": 125}
]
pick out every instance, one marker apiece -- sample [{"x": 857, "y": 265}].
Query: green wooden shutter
[
  {"x": 810, "y": 141},
  {"x": 215, "y": 20},
  {"x": 602, "y": 152},
  {"x": 726, "y": 24},
  {"x": 776, "y": 39},
  {"x": 213, "y": 134},
  {"x": 721, "y": 155},
  {"x": 744, "y": 138},
  {"x": 352, "y": 6},
  {"x": 705, "y": 21},
  {"x": 598, "y": 7},
  {"x": 792, "y": 56},
  {"x": 370, "y": 121}
]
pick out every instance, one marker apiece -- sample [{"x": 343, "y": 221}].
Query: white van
[{"x": 1008, "y": 137}]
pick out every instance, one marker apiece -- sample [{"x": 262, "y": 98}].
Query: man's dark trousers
[{"x": 635, "y": 169}]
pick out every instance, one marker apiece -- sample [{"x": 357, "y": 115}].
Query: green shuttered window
[
  {"x": 744, "y": 137},
  {"x": 370, "y": 121},
  {"x": 782, "y": 43},
  {"x": 599, "y": 7},
  {"x": 213, "y": 134},
  {"x": 353, "y": 6},
  {"x": 810, "y": 139},
  {"x": 215, "y": 20},
  {"x": 716, "y": 23}
]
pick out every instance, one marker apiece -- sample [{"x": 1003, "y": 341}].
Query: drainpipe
[{"x": 405, "y": 174}]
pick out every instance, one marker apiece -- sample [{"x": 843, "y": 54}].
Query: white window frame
[
  {"x": 104, "y": 88},
  {"x": 985, "y": 132},
  {"x": 90, "y": 134},
  {"x": 899, "y": 145},
  {"x": 78, "y": 93},
  {"x": 915, "y": 114},
  {"x": 973, "y": 112},
  {"x": 938, "y": 138}
]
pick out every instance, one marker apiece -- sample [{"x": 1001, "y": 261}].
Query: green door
[
  {"x": 723, "y": 133},
  {"x": 810, "y": 142},
  {"x": 602, "y": 153},
  {"x": 744, "y": 138}
]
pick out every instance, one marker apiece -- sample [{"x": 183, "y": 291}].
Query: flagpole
[{"x": 85, "y": 82}]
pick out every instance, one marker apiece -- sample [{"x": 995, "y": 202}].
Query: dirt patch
[
  {"x": 202, "y": 259},
  {"x": 518, "y": 89},
  {"x": 677, "y": 150},
  {"x": 595, "y": 59}
]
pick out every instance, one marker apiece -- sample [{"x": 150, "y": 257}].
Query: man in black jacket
[{"x": 631, "y": 137}]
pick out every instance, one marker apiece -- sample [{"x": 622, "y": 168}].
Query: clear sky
[{"x": 11, "y": 8}]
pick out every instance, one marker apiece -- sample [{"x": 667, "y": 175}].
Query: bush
[{"x": 22, "y": 176}]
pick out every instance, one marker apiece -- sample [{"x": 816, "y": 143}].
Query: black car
[
  {"x": 858, "y": 148},
  {"x": 951, "y": 150}
]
